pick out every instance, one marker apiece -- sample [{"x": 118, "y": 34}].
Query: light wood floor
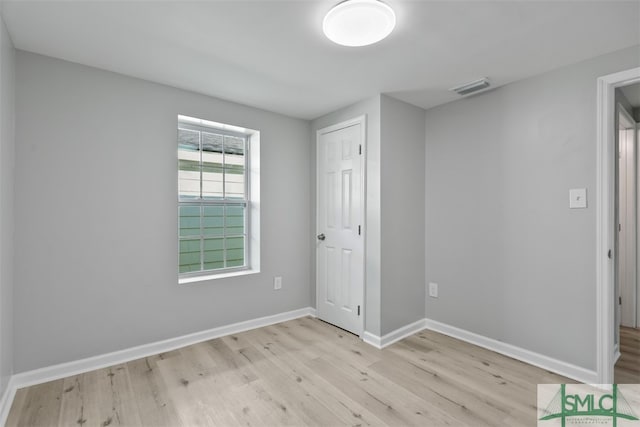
[
  {"x": 627, "y": 370},
  {"x": 301, "y": 372}
]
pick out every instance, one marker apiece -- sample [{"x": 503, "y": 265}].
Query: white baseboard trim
[
  {"x": 6, "y": 400},
  {"x": 50, "y": 373},
  {"x": 554, "y": 365},
  {"x": 545, "y": 362},
  {"x": 402, "y": 332},
  {"x": 372, "y": 339},
  {"x": 393, "y": 336},
  {"x": 616, "y": 353}
]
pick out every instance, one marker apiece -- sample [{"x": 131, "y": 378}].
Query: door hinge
[
  {"x": 359, "y": 231},
  {"x": 358, "y": 310},
  {"x": 619, "y": 227},
  {"x": 620, "y": 300},
  {"x": 609, "y": 254},
  {"x": 360, "y": 149}
]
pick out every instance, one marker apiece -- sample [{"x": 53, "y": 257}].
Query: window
[{"x": 213, "y": 197}]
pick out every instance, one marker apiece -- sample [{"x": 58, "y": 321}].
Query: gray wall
[
  {"x": 402, "y": 193},
  {"x": 371, "y": 108},
  {"x": 513, "y": 262},
  {"x": 96, "y": 215},
  {"x": 7, "y": 152}
]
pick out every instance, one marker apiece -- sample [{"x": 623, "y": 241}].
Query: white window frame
[{"x": 202, "y": 274}]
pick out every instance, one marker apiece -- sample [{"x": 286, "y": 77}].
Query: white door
[{"x": 340, "y": 227}]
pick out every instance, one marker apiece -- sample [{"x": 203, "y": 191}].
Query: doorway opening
[
  {"x": 626, "y": 336},
  {"x": 607, "y": 225}
]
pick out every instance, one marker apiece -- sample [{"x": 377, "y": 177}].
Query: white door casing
[{"x": 340, "y": 225}]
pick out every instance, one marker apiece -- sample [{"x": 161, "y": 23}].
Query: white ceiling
[{"x": 273, "y": 55}]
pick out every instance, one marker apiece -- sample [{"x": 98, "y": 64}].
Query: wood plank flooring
[
  {"x": 627, "y": 369},
  {"x": 301, "y": 372}
]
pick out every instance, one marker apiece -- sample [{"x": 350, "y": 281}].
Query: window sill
[{"x": 215, "y": 276}]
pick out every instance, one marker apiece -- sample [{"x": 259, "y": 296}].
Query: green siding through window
[{"x": 208, "y": 227}]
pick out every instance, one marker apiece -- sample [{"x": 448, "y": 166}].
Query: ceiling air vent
[{"x": 471, "y": 87}]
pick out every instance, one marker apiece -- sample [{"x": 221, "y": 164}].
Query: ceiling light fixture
[{"x": 359, "y": 22}]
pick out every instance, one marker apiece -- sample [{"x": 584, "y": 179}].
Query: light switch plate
[
  {"x": 578, "y": 198},
  {"x": 433, "y": 290}
]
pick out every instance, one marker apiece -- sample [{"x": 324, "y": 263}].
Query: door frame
[
  {"x": 362, "y": 120},
  {"x": 605, "y": 218}
]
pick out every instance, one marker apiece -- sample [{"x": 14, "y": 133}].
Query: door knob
[{"x": 321, "y": 236}]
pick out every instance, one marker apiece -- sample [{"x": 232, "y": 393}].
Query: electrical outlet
[
  {"x": 277, "y": 282},
  {"x": 433, "y": 290}
]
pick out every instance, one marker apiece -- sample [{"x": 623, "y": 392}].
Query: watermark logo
[{"x": 588, "y": 405}]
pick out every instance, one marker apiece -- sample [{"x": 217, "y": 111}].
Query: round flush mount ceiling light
[{"x": 359, "y": 22}]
